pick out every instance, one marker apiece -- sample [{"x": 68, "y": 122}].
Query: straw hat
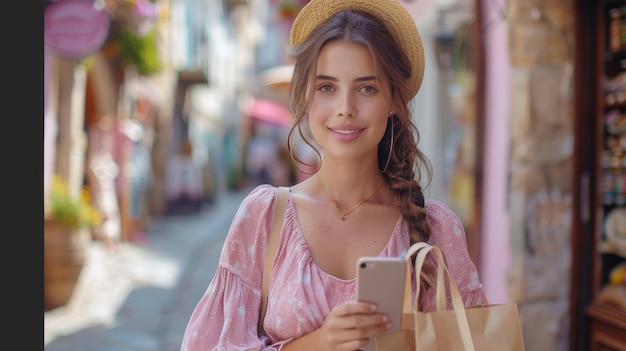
[{"x": 391, "y": 12}]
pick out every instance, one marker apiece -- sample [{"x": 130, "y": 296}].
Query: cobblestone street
[{"x": 140, "y": 297}]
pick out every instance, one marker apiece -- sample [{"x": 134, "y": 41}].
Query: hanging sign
[{"x": 74, "y": 28}]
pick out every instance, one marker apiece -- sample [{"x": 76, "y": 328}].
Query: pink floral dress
[{"x": 301, "y": 295}]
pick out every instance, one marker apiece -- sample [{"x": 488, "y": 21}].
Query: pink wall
[
  {"x": 49, "y": 128},
  {"x": 495, "y": 249}
]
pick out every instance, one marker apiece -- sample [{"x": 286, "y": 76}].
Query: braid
[
  {"x": 399, "y": 167},
  {"x": 398, "y": 159}
]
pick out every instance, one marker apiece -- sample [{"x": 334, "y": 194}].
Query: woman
[{"x": 358, "y": 64}]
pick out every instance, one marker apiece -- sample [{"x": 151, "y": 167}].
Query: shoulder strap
[{"x": 272, "y": 245}]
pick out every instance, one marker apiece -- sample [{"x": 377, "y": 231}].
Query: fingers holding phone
[{"x": 350, "y": 326}]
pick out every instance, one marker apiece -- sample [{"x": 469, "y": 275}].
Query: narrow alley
[{"x": 140, "y": 297}]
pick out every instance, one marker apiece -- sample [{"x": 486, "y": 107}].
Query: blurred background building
[{"x": 519, "y": 112}]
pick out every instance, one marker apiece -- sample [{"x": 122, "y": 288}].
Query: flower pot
[{"x": 64, "y": 257}]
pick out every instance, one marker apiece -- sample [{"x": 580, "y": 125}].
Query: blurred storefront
[
  {"x": 265, "y": 128},
  {"x": 120, "y": 76},
  {"x": 552, "y": 80},
  {"x": 148, "y": 57}
]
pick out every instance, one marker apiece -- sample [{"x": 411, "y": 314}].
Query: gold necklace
[{"x": 344, "y": 214}]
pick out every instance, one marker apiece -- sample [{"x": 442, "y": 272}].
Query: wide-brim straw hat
[{"x": 391, "y": 12}]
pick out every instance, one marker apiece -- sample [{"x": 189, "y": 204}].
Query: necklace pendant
[{"x": 343, "y": 217}]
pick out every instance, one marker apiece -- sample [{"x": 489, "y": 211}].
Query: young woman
[{"x": 358, "y": 65}]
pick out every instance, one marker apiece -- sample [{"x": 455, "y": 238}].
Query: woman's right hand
[{"x": 349, "y": 326}]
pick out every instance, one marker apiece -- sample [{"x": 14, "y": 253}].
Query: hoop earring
[{"x": 391, "y": 142}]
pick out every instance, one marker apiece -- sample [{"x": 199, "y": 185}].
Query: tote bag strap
[
  {"x": 272, "y": 245},
  {"x": 457, "y": 300},
  {"x": 422, "y": 249},
  {"x": 410, "y": 305}
]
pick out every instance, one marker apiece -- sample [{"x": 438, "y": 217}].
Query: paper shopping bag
[
  {"x": 485, "y": 328},
  {"x": 404, "y": 340},
  {"x": 491, "y": 328}
]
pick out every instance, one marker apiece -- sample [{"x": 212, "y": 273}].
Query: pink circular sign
[{"x": 74, "y": 28}]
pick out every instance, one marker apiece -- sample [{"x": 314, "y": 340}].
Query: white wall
[{"x": 425, "y": 102}]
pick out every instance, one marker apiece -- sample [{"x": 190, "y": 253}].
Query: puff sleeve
[{"x": 226, "y": 316}]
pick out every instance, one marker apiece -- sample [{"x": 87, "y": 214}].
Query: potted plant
[
  {"x": 74, "y": 211},
  {"x": 67, "y": 220},
  {"x": 133, "y": 36}
]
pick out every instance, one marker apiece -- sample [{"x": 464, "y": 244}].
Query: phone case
[{"x": 380, "y": 280}]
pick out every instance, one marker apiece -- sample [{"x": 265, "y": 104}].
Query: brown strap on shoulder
[{"x": 272, "y": 245}]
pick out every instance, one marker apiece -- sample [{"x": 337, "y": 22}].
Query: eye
[
  {"x": 368, "y": 89},
  {"x": 325, "y": 88}
]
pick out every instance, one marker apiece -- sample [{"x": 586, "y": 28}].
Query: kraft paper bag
[
  {"x": 494, "y": 327},
  {"x": 403, "y": 340}
]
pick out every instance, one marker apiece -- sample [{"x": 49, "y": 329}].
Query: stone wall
[{"x": 541, "y": 37}]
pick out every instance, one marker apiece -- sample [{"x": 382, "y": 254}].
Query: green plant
[
  {"x": 134, "y": 35},
  {"x": 140, "y": 51},
  {"x": 66, "y": 208}
]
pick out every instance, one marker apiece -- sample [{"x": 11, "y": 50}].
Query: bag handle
[
  {"x": 408, "y": 305},
  {"x": 457, "y": 301},
  {"x": 272, "y": 246}
]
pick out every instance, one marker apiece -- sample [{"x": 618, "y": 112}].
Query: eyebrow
[{"x": 360, "y": 79}]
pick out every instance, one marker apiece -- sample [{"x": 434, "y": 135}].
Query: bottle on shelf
[{"x": 615, "y": 30}]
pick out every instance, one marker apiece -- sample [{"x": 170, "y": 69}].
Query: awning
[
  {"x": 269, "y": 111},
  {"x": 278, "y": 77}
]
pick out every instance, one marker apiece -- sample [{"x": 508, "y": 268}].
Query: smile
[{"x": 345, "y": 131}]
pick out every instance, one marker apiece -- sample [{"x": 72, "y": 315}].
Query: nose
[{"x": 346, "y": 105}]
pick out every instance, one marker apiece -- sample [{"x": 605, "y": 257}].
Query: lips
[{"x": 346, "y": 133}]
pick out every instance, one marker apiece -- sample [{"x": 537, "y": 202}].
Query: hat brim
[{"x": 391, "y": 12}]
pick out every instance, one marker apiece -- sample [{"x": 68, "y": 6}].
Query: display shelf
[
  {"x": 607, "y": 330},
  {"x": 601, "y": 166}
]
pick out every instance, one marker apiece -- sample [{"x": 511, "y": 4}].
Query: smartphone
[{"x": 380, "y": 280}]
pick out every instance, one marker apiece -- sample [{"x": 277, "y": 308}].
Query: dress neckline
[{"x": 292, "y": 215}]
